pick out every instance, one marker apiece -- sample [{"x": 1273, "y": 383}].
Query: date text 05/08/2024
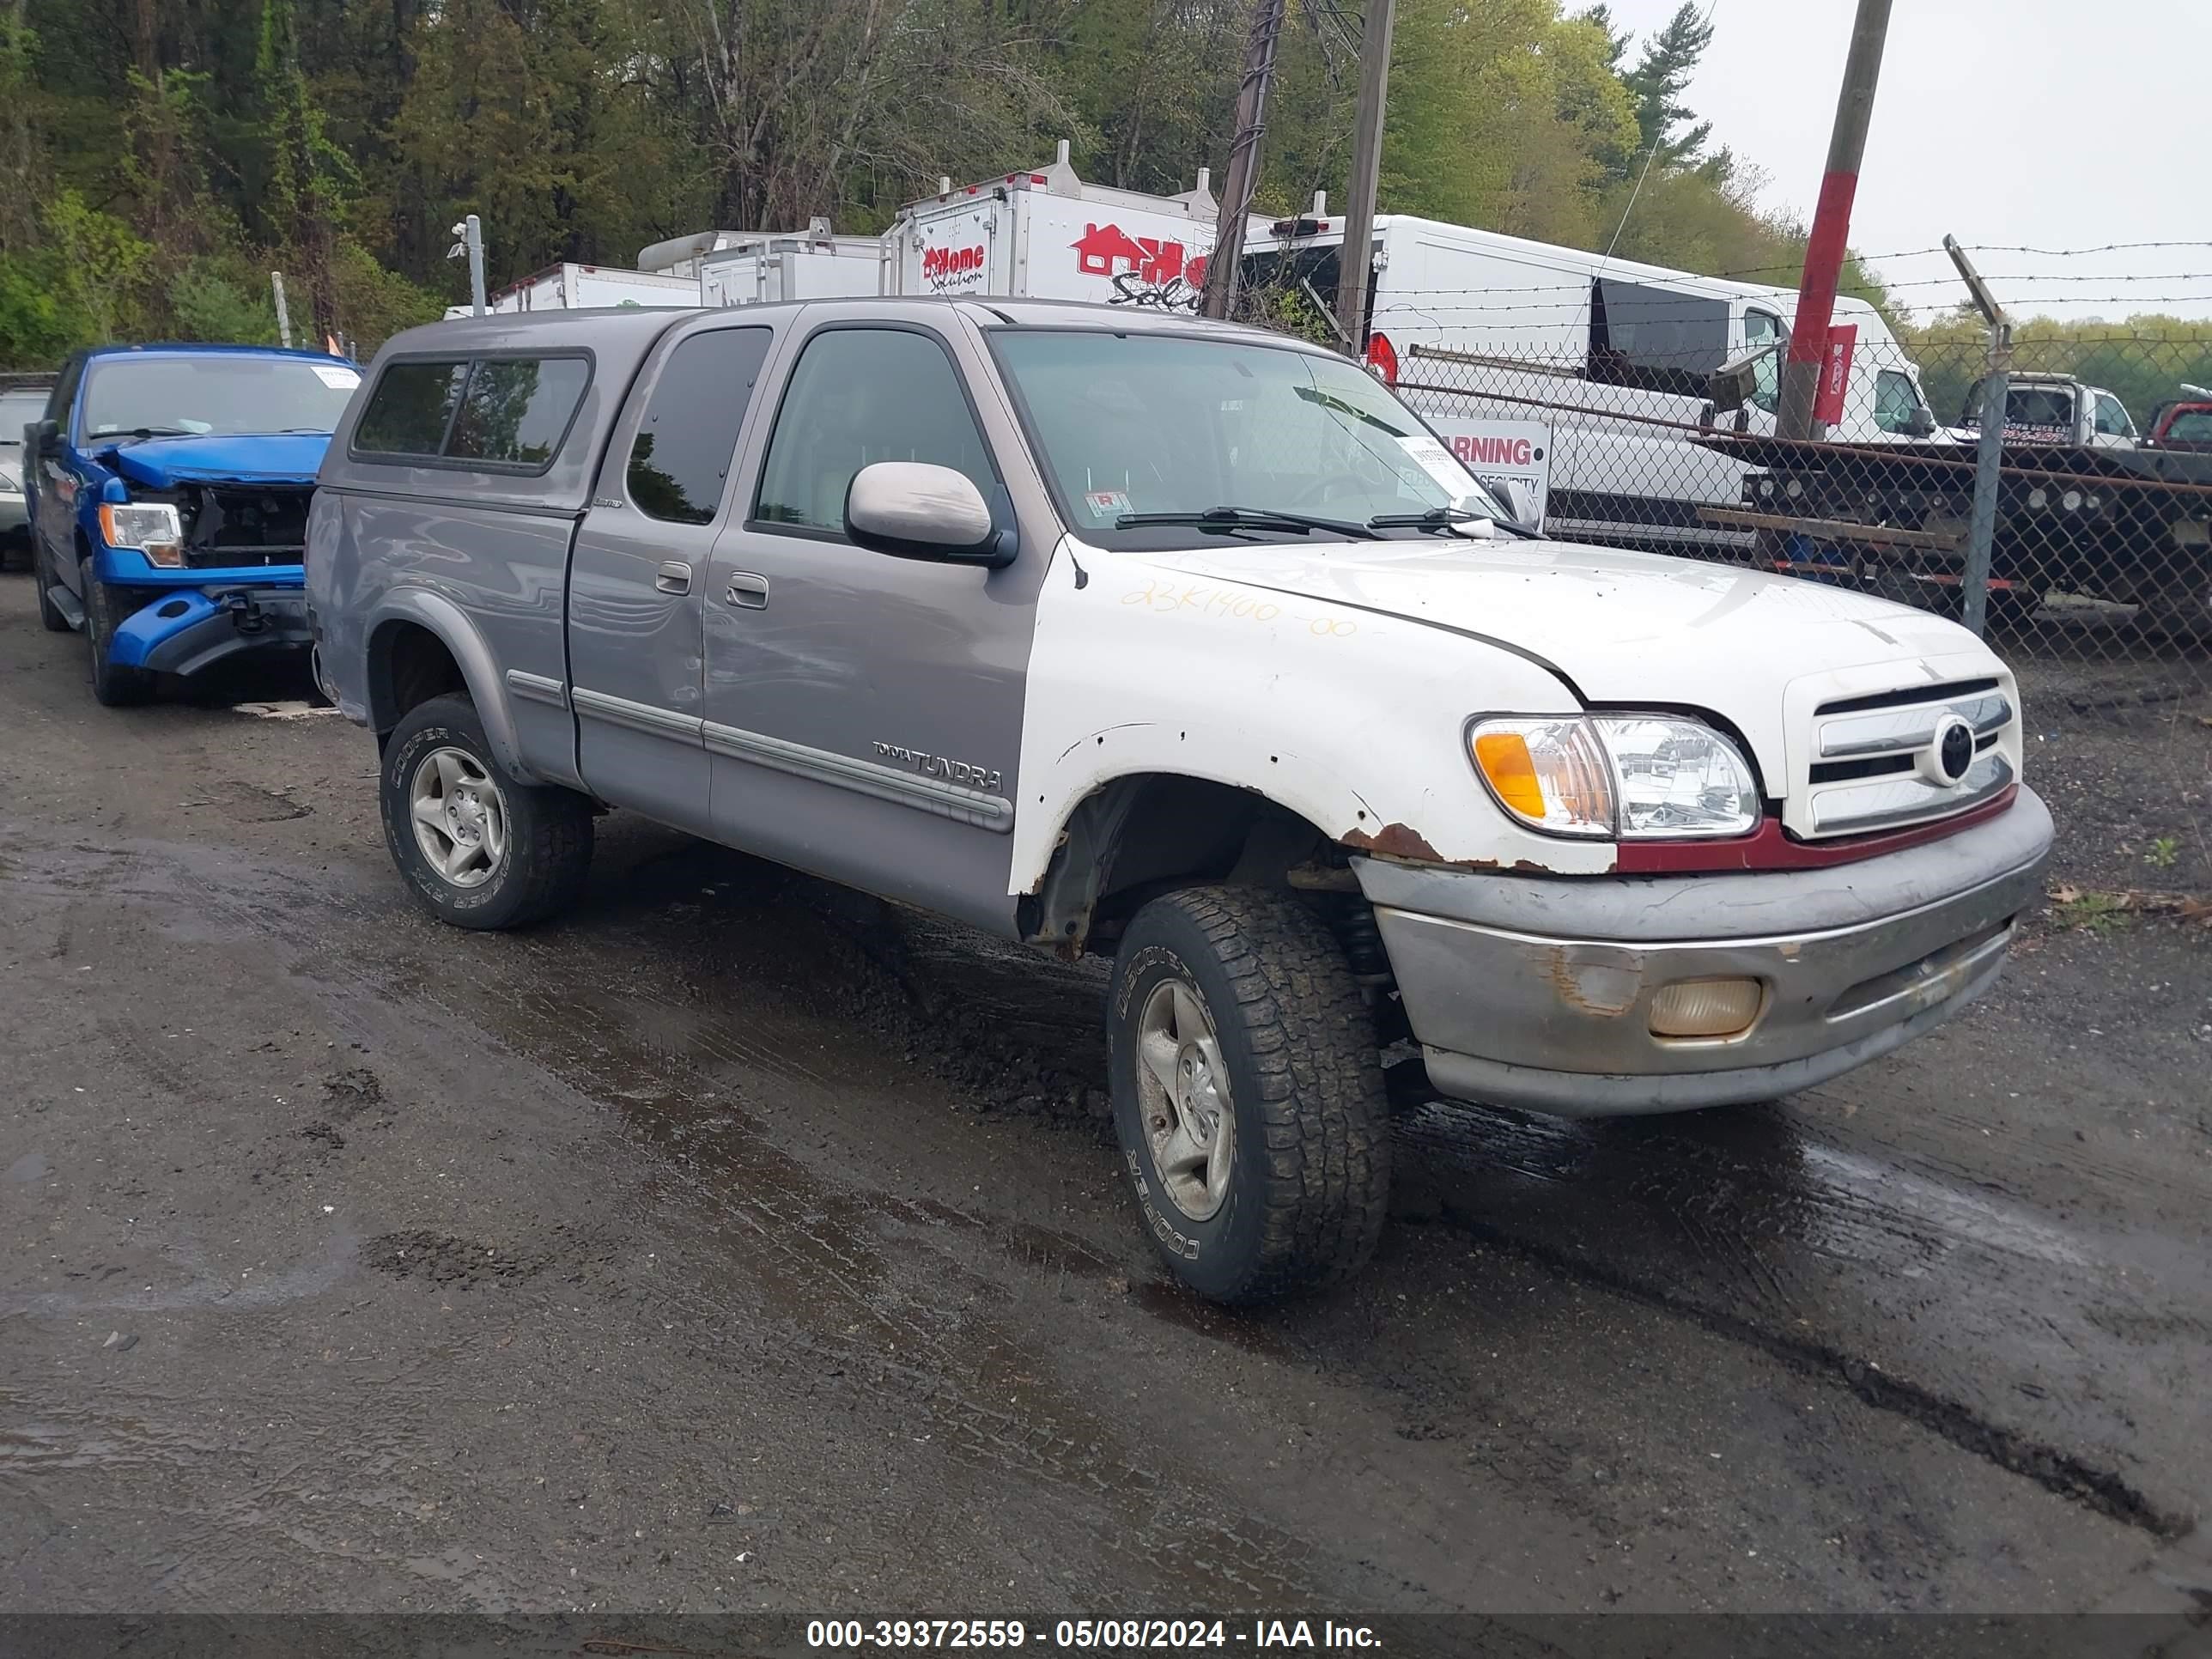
[{"x": 1109, "y": 1635}]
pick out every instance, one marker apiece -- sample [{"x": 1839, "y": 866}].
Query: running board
[{"x": 67, "y": 604}]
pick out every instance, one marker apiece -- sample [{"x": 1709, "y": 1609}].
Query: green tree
[{"x": 1662, "y": 74}]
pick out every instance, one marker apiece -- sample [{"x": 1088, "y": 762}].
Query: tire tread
[{"x": 1321, "y": 1103}]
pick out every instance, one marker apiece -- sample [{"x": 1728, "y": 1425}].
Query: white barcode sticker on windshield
[
  {"x": 1437, "y": 462},
  {"x": 339, "y": 380}
]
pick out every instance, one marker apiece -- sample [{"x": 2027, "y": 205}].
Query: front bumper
[
  {"x": 1537, "y": 992},
  {"x": 183, "y": 632},
  {"x": 14, "y": 516}
]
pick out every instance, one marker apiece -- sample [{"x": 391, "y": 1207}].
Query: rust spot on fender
[{"x": 1396, "y": 840}]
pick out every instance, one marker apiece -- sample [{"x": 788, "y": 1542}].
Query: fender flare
[{"x": 479, "y": 673}]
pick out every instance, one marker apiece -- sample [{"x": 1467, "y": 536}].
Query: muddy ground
[{"x": 738, "y": 1243}]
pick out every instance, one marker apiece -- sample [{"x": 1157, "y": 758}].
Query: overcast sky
[{"x": 2102, "y": 136}]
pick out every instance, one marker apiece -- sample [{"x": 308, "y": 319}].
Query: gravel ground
[{"x": 735, "y": 1242}]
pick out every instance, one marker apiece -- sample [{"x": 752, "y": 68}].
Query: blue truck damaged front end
[
  {"x": 170, "y": 490},
  {"x": 240, "y": 505}
]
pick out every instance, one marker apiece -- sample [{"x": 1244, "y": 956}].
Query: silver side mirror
[
  {"x": 1517, "y": 499},
  {"x": 918, "y": 511}
]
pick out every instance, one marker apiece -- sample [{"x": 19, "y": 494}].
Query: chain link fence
[{"x": 2078, "y": 542}]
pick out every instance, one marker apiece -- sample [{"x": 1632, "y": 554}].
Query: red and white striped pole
[{"x": 1831, "y": 224}]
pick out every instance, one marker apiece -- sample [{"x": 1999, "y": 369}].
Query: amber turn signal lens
[{"x": 1505, "y": 759}]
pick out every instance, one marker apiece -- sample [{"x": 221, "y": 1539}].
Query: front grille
[
  {"x": 1876, "y": 764},
  {"x": 229, "y": 525}
]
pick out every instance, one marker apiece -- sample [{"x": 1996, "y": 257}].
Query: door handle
[
  {"x": 674, "y": 578},
  {"x": 749, "y": 591}
]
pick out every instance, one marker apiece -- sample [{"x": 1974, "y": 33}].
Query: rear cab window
[{"x": 493, "y": 413}]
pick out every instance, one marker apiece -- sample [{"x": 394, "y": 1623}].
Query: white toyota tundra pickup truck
[{"x": 1109, "y": 630}]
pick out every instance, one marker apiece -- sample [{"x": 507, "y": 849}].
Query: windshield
[
  {"x": 1147, "y": 424},
  {"x": 215, "y": 394}
]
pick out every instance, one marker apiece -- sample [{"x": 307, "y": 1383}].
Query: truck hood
[
  {"x": 246, "y": 458},
  {"x": 1622, "y": 628}
]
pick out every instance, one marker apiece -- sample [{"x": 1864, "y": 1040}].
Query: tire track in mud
[
  {"x": 919, "y": 1328},
  {"x": 600, "y": 1037}
]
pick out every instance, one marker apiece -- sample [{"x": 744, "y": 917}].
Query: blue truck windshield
[{"x": 214, "y": 394}]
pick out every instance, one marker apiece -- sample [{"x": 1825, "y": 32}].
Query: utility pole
[
  {"x": 1353, "y": 263},
  {"x": 1241, "y": 179},
  {"x": 471, "y": 232},
  {"x": 283, "y": 312},
  {"x": 1831, "y": 224}
]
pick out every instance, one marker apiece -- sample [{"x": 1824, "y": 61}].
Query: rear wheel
[
  {"x": 112, "y": 686},
  {"x": 1249, "y": 1097},
  {"x": 479, "y": 849}
]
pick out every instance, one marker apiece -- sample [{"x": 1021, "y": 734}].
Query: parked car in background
[
  {"x": 1109, "y": 629},
  {"x": 172, "y": 492},
  {"x": 2183, "y": 422},
  {"x": 22, "y": 401},
  {"x": 2053, "y": 410}
]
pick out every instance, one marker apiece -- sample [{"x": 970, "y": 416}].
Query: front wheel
[
  {"x": 113, "y": 687},
  {"x": 478, "y": 849},
  {"x": 1249, "y": 1097}
]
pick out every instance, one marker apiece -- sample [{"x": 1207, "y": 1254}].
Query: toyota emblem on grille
[{"x": 1952, "y": 754}]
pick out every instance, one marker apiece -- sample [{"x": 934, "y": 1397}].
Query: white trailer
[
  {"x": 1046, "y": 234},
  {"x": 1613, "y": 356},
  {"x": 573, "y": 287},
  {"x": 816, "y": 265}
]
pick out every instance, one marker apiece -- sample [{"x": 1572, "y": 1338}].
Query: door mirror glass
[{"x": 919, "y": 510}]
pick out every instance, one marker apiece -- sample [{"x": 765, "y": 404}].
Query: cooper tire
[
  {"x": 111, "y": 687},
  {"x": 1306, "y": 1183},
  {"x": 544, "y": 833}
]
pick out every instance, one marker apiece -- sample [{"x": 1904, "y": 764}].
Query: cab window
[
  {"x": 1764, "y": 328},
  {"x": 1895, "y": 402},
  {"x": 680, "y": 459},
  {"x": 860, "y": 395},
  {"x": 2111, "y": 417}
]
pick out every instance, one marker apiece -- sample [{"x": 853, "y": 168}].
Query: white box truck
[
  {"x": 816, "y": 265},
  {"x": 571, "y": 287},
  {"x": 1044, "y": 234},
  {"x": 1611, "y": 356}
]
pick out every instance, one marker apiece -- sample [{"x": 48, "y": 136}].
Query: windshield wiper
[
  {"x": 145, "y": 432},
  {"x": 1442, "y": 517},
  {"x": 1247, "y": 518}
]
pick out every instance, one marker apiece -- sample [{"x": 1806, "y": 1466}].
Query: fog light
[{"x": 1706, "y": 1007}]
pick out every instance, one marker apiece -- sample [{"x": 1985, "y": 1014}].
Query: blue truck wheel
[{"x": 114, "y": 687}]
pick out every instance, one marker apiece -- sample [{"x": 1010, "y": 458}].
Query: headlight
[
  {"x": 1639, "y": 777},
  {"x": 8, "y": 481},
  {"x": 151, "y": 526}
]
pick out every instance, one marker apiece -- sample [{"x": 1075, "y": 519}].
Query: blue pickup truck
[{"x": 168, "y": 491}]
